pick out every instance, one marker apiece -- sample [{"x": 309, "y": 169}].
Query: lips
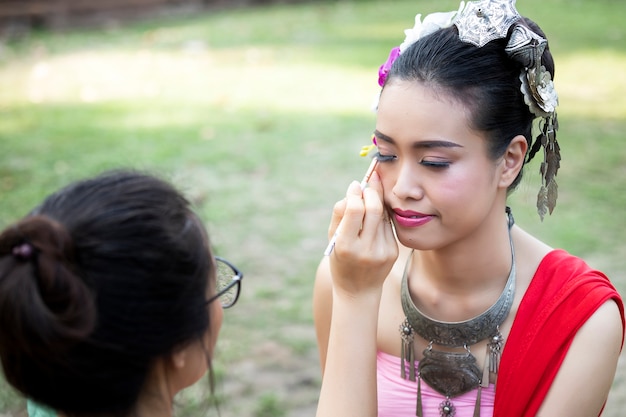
[{"x": 408, "y": 218}]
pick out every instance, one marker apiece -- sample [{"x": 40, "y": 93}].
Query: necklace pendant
[
  {"x": 449, "y": 373},
  {"x": 447, "y": 409}
]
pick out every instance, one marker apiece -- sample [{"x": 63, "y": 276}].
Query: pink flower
[
  {"x": 431, "y": 23},
  {"x": 383, "y": 71}
]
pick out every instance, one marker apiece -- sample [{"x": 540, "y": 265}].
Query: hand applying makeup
[
  {"x": 364, "y": 254},
  {"x": 366, "y": 248}
]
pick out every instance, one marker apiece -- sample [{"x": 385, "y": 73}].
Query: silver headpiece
[
  {"x": 485, "y": 20},
  {"x": 482, "y": 21}
]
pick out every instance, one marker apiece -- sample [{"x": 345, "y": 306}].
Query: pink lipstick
[{"x": 409, "y": 218}]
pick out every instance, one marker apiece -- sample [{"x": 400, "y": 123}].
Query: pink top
[{"x": 397, "y": 397}]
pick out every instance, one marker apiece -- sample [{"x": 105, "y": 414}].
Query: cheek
[
  {"x": 464, "y": 181},
  {"x": 216, "y": 317},
  {"x": 464, "y": 194},
  {"x": 461, "y": 181},
  {"x": 387, "y": 180}
]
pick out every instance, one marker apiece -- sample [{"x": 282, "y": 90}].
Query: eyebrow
[{"x": 420, "y": 144}]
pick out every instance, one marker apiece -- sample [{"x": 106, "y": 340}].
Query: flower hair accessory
[
  {"x": 23, "y": 251},
  {"x": 527, "y": 47},
  {"x": 365, "y": 150},
  {"x": 431, "y": 23}
]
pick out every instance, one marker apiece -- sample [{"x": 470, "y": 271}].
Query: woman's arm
[
  {"x": 364, "y": 253},
  {"x": 322, "y": 308},
  {"x": 349, "y": 383}
]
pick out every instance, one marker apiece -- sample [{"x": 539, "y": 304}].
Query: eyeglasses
[{"x": 228, "y": 283}]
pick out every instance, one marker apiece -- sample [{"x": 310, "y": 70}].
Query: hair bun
[{"x": 44, "y": 303}]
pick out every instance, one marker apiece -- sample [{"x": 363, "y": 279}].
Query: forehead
[
  {"x": 418, "y": 95},
  {"x": 412, "y": 109}
]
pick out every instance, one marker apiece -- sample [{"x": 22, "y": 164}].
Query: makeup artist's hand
[
  {"x": 366, "y": 248},
  {"x": 364, "y": 253}
]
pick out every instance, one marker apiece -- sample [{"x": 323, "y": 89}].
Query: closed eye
[
  {"x": 384, "y": 158},
  {"x": 435, "y": 164}
]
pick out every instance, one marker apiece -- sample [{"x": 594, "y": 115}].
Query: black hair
[
  {"x": 484, "y": 79},
  {"x": 117, "y": 278}
]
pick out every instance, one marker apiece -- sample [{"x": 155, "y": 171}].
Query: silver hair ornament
[{"x": 483, "y": 21}]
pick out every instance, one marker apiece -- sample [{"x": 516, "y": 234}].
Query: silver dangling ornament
[{"x": 447, "y": 409}]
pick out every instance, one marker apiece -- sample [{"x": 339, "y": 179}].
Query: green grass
[{"x": 259, "y": 114}]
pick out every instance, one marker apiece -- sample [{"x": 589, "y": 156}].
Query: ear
[
  {"x": 176, "y": 366},
  {"x": 178, "y": 358},
  {"x": 186, "y": 364},
  {"x": 513, "y": 160}
]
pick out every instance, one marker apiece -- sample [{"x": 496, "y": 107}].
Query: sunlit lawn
[{"x": 259, "y": 114}]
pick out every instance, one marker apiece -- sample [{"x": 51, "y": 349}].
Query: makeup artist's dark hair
[
  {"x": 484, "y": 79},
  {"x": 103, "y": 278}
]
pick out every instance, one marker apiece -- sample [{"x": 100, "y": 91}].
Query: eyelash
[
  {"x": 384, "y": 158},
  {"x": 439, "y": 165},
  {"x": 388, "y": 158}
]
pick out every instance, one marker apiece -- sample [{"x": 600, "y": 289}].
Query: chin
[{"x": 418, "y": 241}]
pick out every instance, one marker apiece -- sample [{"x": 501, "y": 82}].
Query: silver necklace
[{"x": 452, "y": 373}]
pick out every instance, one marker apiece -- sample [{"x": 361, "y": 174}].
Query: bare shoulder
[
  {"x": 585, "y": 377},
  {"x": 589, "y": 367},
  {"x": 530, "y": 246},
  {"x": 529, "y": 252}
]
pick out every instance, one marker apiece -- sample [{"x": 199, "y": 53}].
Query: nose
[{"x": 407, "y": 184}]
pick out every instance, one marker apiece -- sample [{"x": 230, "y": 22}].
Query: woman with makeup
[{"x": 433, "y": 302}]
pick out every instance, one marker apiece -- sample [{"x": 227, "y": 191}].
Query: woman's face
[
  {"x": 201, "y": 351},
  {"x": 439, "y": 183}
]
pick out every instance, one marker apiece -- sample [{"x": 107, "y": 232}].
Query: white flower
[
  {"x": 431, "y": 23},
  {"x": 545, "y": 89},
  {"x": 539, "y": 93}
]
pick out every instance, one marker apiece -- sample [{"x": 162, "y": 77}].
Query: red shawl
[{"x": 562, "y": 296}]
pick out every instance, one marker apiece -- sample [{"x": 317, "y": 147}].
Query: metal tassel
[
  {"x": 411, "y": 361},
  {"x": 484, "y": 382},
  {"x": 477, "y": 405},
  {"x": 407, "y": 353},
  {"x": 403, "y": 360},
  {"x": 418, "y": 406}
]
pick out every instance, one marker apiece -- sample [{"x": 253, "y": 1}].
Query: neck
[
  {"x": 156, "y": 399},
  {"x": 147, "y": 407},
  {"x": 476, "y": 263}
]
